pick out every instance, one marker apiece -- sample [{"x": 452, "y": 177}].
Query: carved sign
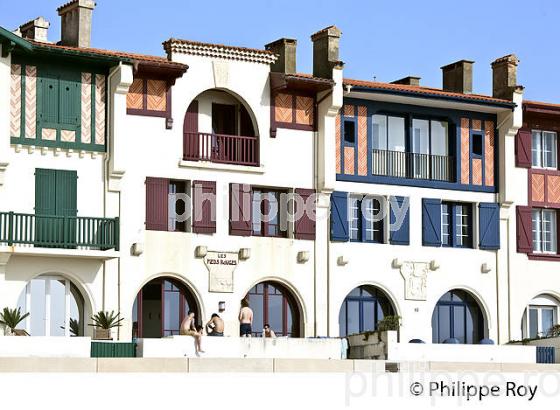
[
  {"x": 220, "y": 267},
  {"x": 415, "y": 276}
]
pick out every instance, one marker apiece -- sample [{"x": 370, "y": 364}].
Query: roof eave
[
  {"x": 473, "y": 101},
  {"x": 9, "y": 41}
]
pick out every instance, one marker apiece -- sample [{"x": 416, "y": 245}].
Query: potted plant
[
  {"x": 11, "y": 318},
  {"x": 74, "y": 327},
  {"x": 103, "y": 323}
]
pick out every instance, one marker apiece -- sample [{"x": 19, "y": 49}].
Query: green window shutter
[
  {"x": 45, "y": 191},
  {"x": 49, "y": 88},
  {"x": 69, "y": 102},
  {"x": 66, "y": 193}
]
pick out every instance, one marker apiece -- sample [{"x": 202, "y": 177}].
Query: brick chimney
[
  {"x": 35, "y": 29},
  {"x": 285, "y": 48},
  {"x": 410, "y": 80},
  {"x": 457, "y": 77},
  {"x": 504, "y": 76},
  {"x": 75, "y": 19},
  {"x": 325, "y": 51}
]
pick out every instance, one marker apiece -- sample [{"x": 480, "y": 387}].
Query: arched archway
[
  {"x": 220, "y": 127},
  {"x": 540, "y": 315},
  {"x": 273, "y": 304},
  {"x": 458, "y": 315},
  {"x": 362, "y": 309},
  {"x": 160, "y": 307},
  {"x": 55, "y": 305}
]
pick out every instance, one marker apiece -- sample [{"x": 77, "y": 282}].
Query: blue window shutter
[
  {"x": 431, "y": 222},
  {"x": 339, "y": 216},
  {"x": 399, "y": 235},
  {"x": 489, "y": 226}
]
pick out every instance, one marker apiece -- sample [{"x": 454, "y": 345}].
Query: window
[
  {"x": 456, "y": 225},
  {"x": 176, "y": 206},
  {"x": 457, "y": 315},
  {"x": 540, "y": 316},
  {"x": 274, "y": 305},
  {"x": 544, "y": 231},
  {"x": 544, "y": 149},
  {"x": 477, "y": 144},
  {"x": 267, "y": 208},
  {"x": 349, "y": 131},
  {"x": 55, "y": 305},
  {"x": 388, "y": 133},
  {"x": 362, "y": 310},
  {"x": 366, "y": 223},
  {"x": 148, "y": 97}
]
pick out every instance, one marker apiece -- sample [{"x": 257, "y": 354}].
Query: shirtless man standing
[
  {"x": 245, "y": 319},
  {"x": 188, "y": 328}
]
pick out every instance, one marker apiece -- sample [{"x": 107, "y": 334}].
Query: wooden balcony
[
  {"x": 66, "y": 232},
  {"x": 226, "y": 149}
]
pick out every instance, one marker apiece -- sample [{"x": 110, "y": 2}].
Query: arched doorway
[
  {"x": 273, "y": 304},
  {"x": 362, "y": 310},
  {"x": 540, "y": 316},
  {"x": 458, "y": 315},
  {"x": 55, "y": 306},
  {"x": 160, "y": 307},
  {"x": 219, "y": 127}
]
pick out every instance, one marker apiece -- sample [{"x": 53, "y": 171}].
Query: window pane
[
  {"x": 369, "y": 315},
  {"x": 37, "y": 309},
  {"x": 420, "y": 138},
  {"x": 445, "y": 225},
  {"x": 257, "y": 213},
  {"x": 547, "y": 320},
  {"x": 396, "y": 134},
  {"x": 171, "y": 311},
  {"x": 462, "y": 225},
  {"x": 459, "y": 323},
  {"x": 533, "y": 323},
  {"x": 536, "y": 149},
  {"x": 275, "y": 316},
  {"x": 354, "y": 218},
  {"x": 537, "y": 235},
  {"x": 548, "y": 231},
  {"x": 444, "y": 325},
  {"x": 379, "y": 132},
  {"x": 353, "y": 317},
  {"x": 349, "y": 132},
  {"x": 439, "y": 138},
  {"x": 58, "y": 307},
  {"x": 549, "y": 150}
]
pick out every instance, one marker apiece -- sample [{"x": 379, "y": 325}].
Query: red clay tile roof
[
  {"x": 425, "y": 91},
  {"x": 541, "y": 104},
  {"x": 163, "y": 61}
]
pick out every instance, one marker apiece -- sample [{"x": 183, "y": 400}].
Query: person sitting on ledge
[
  {"x": 268, "y": 332},
  {"x": 188, "y": 328},
  {"x": 215, "y": 326}
]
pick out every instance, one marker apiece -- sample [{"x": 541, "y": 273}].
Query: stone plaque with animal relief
[{"x": 221, "y": 266}]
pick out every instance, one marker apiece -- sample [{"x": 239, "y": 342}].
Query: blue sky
[{"x": 385, "y": 39}]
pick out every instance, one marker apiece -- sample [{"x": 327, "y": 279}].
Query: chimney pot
[
  {"x": 286, "y": 50},
  {"x": 75, "y": 19},
  {"x": 504, "y": 76},
  {"x": 36, "y": 29},
  {"x": 457, "y": 77},
  {"x": 325, "y": 51},
  {"x": 410, "y": 80}
]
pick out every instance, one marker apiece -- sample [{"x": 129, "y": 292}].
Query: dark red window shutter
[
  {"x": 523, "y": 142},
  {"x": 240, "y": 209},
  {"x": 524, "y": 229},
  {"x": 304, "y": 227},
  {"x": 190, "y": 129},
  {"x": 156, "y": 203},
  {"x": 204, "y": 207}
]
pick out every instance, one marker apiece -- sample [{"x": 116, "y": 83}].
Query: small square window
[
  {"x": 477, "y": 144},
  {"x": 349, "y": 131}
]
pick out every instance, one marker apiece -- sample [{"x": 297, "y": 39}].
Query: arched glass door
[
  {"x": 160, "y": 307},
  {"x": 362, "y": 309},
  {"x": 272, "y": 304},
  {"x": 55, "y": 306},
  {"x": 457, "y": 315}
]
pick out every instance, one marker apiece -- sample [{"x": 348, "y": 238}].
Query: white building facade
[{"x": 156, "y": 186}]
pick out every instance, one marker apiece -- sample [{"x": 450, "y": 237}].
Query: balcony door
[
  {"x": 224, "y": 119},
  {"x": 55, "y": 207}
]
